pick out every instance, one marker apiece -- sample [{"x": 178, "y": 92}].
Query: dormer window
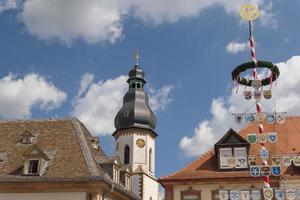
[
  {"x": 33, "y": 160},
  {"x": 27, "y": 137},
  {"x": 26, "y": 140},
  {"x": 232, "y": 151},
  {"x": 33, "y": 167}
]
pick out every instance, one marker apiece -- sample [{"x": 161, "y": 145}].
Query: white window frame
[
  {"x": 221, "y": 157},
  {"x": 236, "y": 151},
  {"x": 26, "y": 167}
]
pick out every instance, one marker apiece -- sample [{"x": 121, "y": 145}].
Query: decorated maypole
[{"x": 250, "y": 12}]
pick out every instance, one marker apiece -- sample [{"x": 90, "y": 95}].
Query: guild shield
[
  {"x": 270, "y": 117},
  {"x": 259, "y": 117},
  {"x": 255, "y": 170},
  {"x": 248, "y": 95},
  {"x": 264, "y": 154},
  {"x": 267, "y": 94},
  {"x": 296, "y": 161},
  {"x": 255, "y": 195},
  {"x": 234, "y": 195},
  {"x": 280, "y": 118},
  {"x": 223, "y": 195},
  {"x": 287, "y": 161},
  {"x": 252, "y": 160},
  {"x": 279, "y": 195},
  {"x": 252, "y": 138},
  {"x": 257, "y": 94},
  {"x": 276, "y": 170},
  {"x": 272, "y": 137},
  {"x": 268, "y": 193},
  {"x": 245, "y": 195},
  {"x": 290, "y": 194},
  {"x": 262, "y": 138},
  {"x": 265, "y": 170},
  {"x": 238, "y": 118}
]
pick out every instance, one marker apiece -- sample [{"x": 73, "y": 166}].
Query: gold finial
[{"x": 137, "y": 56}]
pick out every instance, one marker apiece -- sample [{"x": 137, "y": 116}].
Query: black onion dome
[{"x": 135, "y": 111}]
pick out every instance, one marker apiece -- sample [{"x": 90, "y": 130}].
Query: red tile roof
[{"x": 205, "y": 166}]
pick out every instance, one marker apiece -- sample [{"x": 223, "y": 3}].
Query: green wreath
[{"x": 250, "y": 65}]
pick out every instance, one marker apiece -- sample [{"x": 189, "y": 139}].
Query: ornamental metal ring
[{"x": 250, "y": 65}]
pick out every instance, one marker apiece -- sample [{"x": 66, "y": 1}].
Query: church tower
[{"x": 135, "y": 135}]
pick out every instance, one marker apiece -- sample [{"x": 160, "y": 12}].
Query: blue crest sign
[
  {"x": 270, "y": 117},
  {"x": 264, "y": 154},
  {"x": 272, "y": 137},
  {"x": 255, "y": 195},
  {"x": 234, "y": 195},
  {"x": 276, "y": 170},
  {"x": 279, "y": 195},
  {"x": 255, "y": 170}
]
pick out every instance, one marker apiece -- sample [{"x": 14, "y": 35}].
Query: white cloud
[
  {"x": 91, "y": 20},
  {"x": 98, "y": 105},
  {"x": 235, "y": 47},
  {"x": 102, "y": 20},
  {"x": 7, "y": 5},
  {"x": 286, "y": 97},
  {"x": 19, "y": 95},
  {"x": 160, "y": 98}
]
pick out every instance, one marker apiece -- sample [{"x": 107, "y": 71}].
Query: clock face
[{"x": 140, "y": 143}]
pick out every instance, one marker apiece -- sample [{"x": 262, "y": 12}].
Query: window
[
  {"x": 26, "y": 140},
  {"x": 233, "y": 158},
  {"x": 240, "y": 154},
  {"x": 225, "y": 153},
  {"x": 126, "y": 155},
  {"x": 150, "y": 160},
  {"x": 33, "y": 167},
  {"x": 138, "y": 85},
  {"x": 133, "y": 85},
  {"x": 127, "y": 182},
  {"x": 190, "y": 194},
  {"x": 116, "y": 174}
]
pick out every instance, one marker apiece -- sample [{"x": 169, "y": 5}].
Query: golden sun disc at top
[{"x": 249, "y": 12}]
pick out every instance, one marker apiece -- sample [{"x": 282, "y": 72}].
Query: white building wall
[
  {"x": 135, "y": 184},
  {"x": 43, "y": 196},
  {"x": 151, "y": 189}
]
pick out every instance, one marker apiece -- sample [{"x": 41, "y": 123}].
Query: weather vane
[
  {"x": 137, "y": 56},
  {"x": 249, "y": 13}
]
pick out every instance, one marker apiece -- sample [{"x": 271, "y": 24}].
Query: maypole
[{"x": 250, "y": 13}]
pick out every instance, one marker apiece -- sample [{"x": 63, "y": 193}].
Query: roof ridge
[
  {"x": 89, "y": 159},
  {"x": 38, "y": 120}
]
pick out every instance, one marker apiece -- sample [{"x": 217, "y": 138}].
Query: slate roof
[
  {"x": 205, "y": 166},
  {"x": 65, "y": 142}
]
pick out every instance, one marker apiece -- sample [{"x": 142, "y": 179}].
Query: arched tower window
[
  {"x": 150, "y": 160},
  {"x": 126, "y": 155}
]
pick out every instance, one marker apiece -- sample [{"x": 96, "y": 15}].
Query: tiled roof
[
  {"x": 65, "y": 141},
  {"x": 205, "y": 166}
]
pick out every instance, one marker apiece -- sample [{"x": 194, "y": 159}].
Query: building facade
[
  {"x": 226, "y": 168},
  {"x": 135, "y": 137}
]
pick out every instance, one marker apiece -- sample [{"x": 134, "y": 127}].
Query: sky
[{"x": 64, "y": 58}]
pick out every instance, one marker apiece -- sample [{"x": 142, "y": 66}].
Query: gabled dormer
[
  {"x": 34, "y": 158},
  {"x": 232, "y": 151},
  {"x": 27, "y": 137}
]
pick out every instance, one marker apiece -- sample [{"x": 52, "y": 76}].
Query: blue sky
[{"x": 70, "y": 58}]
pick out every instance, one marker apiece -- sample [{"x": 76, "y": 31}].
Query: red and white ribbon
[{"x": 258, "y": 108}]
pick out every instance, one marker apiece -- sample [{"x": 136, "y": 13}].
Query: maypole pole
[{"x": 250, "y": 13}]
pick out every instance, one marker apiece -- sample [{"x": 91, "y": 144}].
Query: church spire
[{"x": 136, "y": 111}]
